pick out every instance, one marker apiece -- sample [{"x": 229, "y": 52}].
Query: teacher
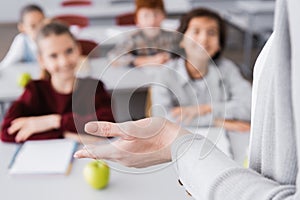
[{"x": 275, "y": 139}]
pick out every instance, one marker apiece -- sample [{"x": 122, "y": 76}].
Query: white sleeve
[
  {"x": 207, "y": 173},
  {"x": 15, "y": 52}
]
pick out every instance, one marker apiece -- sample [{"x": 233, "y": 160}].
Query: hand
[
  {"x": 161, "y": 58},
  {"x": 139, "y": 144},
  {"x": 188, "y": 113},
  {"x": 24, "y": 127},
  {"x": 157, "y": 59},
  {"x": 83, "y": 137},
  {"x": 233, "y": 125}
]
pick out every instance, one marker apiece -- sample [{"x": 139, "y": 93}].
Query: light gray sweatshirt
[
  {"x": 275, "y": 141},
  {"x": 223, "y": 87}
]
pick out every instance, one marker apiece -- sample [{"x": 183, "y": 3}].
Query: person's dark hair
[
  {"x": 52, "y": 28},
  {"x": 30, "y": 8},
  {"x": 203, "y": 12}
]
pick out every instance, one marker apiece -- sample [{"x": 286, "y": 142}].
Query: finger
[
  {"x": 19, "y": 137},
  {"x": 14, "y": 127},
  {"x": 23, "y": 135},
  {"x": 104, "y": 151},
  {"x": 126, "y": 130},
  {"x": 145, "y": 128}
]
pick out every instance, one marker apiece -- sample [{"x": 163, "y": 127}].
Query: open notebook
[{"x": 43, "y": 157}]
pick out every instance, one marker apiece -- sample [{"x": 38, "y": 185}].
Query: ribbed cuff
[{"x": 180, "y": 141}]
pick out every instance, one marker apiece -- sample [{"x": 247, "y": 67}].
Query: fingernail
[{"x": 91, "y": 127}]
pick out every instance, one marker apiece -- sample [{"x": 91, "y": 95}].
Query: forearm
[
  {"x": 208, "y": 174},
  {"x": 52, "y": 134},
  {"x": 140, "y": 61}
]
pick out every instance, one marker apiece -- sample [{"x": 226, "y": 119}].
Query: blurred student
[
  {"x": 59, "y": 105},
  {"x": 23, "y": 48},
  {"x": 201, "y": 87},
  {"x": 149, "y": 44}
]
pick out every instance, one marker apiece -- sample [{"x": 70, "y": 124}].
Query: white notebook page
[{"x": 44, "y": 157}]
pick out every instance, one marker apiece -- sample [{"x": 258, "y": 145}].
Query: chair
[
  {"x": 78, "y": 20},
  {"x": 125, "y": 19},
  {"x": 87, "y": 47},
  {"x": 76, "y": 3}
]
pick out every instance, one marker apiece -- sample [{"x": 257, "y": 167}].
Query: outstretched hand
[{"x": 138, "y": 143}]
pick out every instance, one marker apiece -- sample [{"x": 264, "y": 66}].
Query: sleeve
[
  {"x": 89, "y": 106},
  {"x": 237, "y": 105},
  {"x": 121, "y": 54},
  {"x": 15, "y": 52},
  {"x": 25, "y": 107},
  {"x": 213, "y": 176},
  {"x": 207, "y": 173}
]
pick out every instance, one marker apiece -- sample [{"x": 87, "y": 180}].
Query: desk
[
  {"x": 161, "y": 184},
  {"x": 9, "y": 90}
]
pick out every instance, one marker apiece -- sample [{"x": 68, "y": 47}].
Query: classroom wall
[{"x": 10, "y": 9}]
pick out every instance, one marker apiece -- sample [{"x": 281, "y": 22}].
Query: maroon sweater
[{"x": 88, "y": 102}]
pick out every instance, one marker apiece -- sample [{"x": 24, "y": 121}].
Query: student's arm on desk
[
  {"x": 20, "y": 117},
  {"x": 156, "y": 59},
  {"x": 190, "y": 117},
  {"x": 233, "y": 125},
  {"x": 25, "y": 127}
]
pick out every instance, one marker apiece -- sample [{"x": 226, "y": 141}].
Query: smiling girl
[
  {"x": 202, "y": 88},
  {"x": 59, "y": 105}
]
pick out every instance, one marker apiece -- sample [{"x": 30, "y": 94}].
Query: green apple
[
  {"x": 23, "y": 79},
  {"x": 96, "y": 174}
]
